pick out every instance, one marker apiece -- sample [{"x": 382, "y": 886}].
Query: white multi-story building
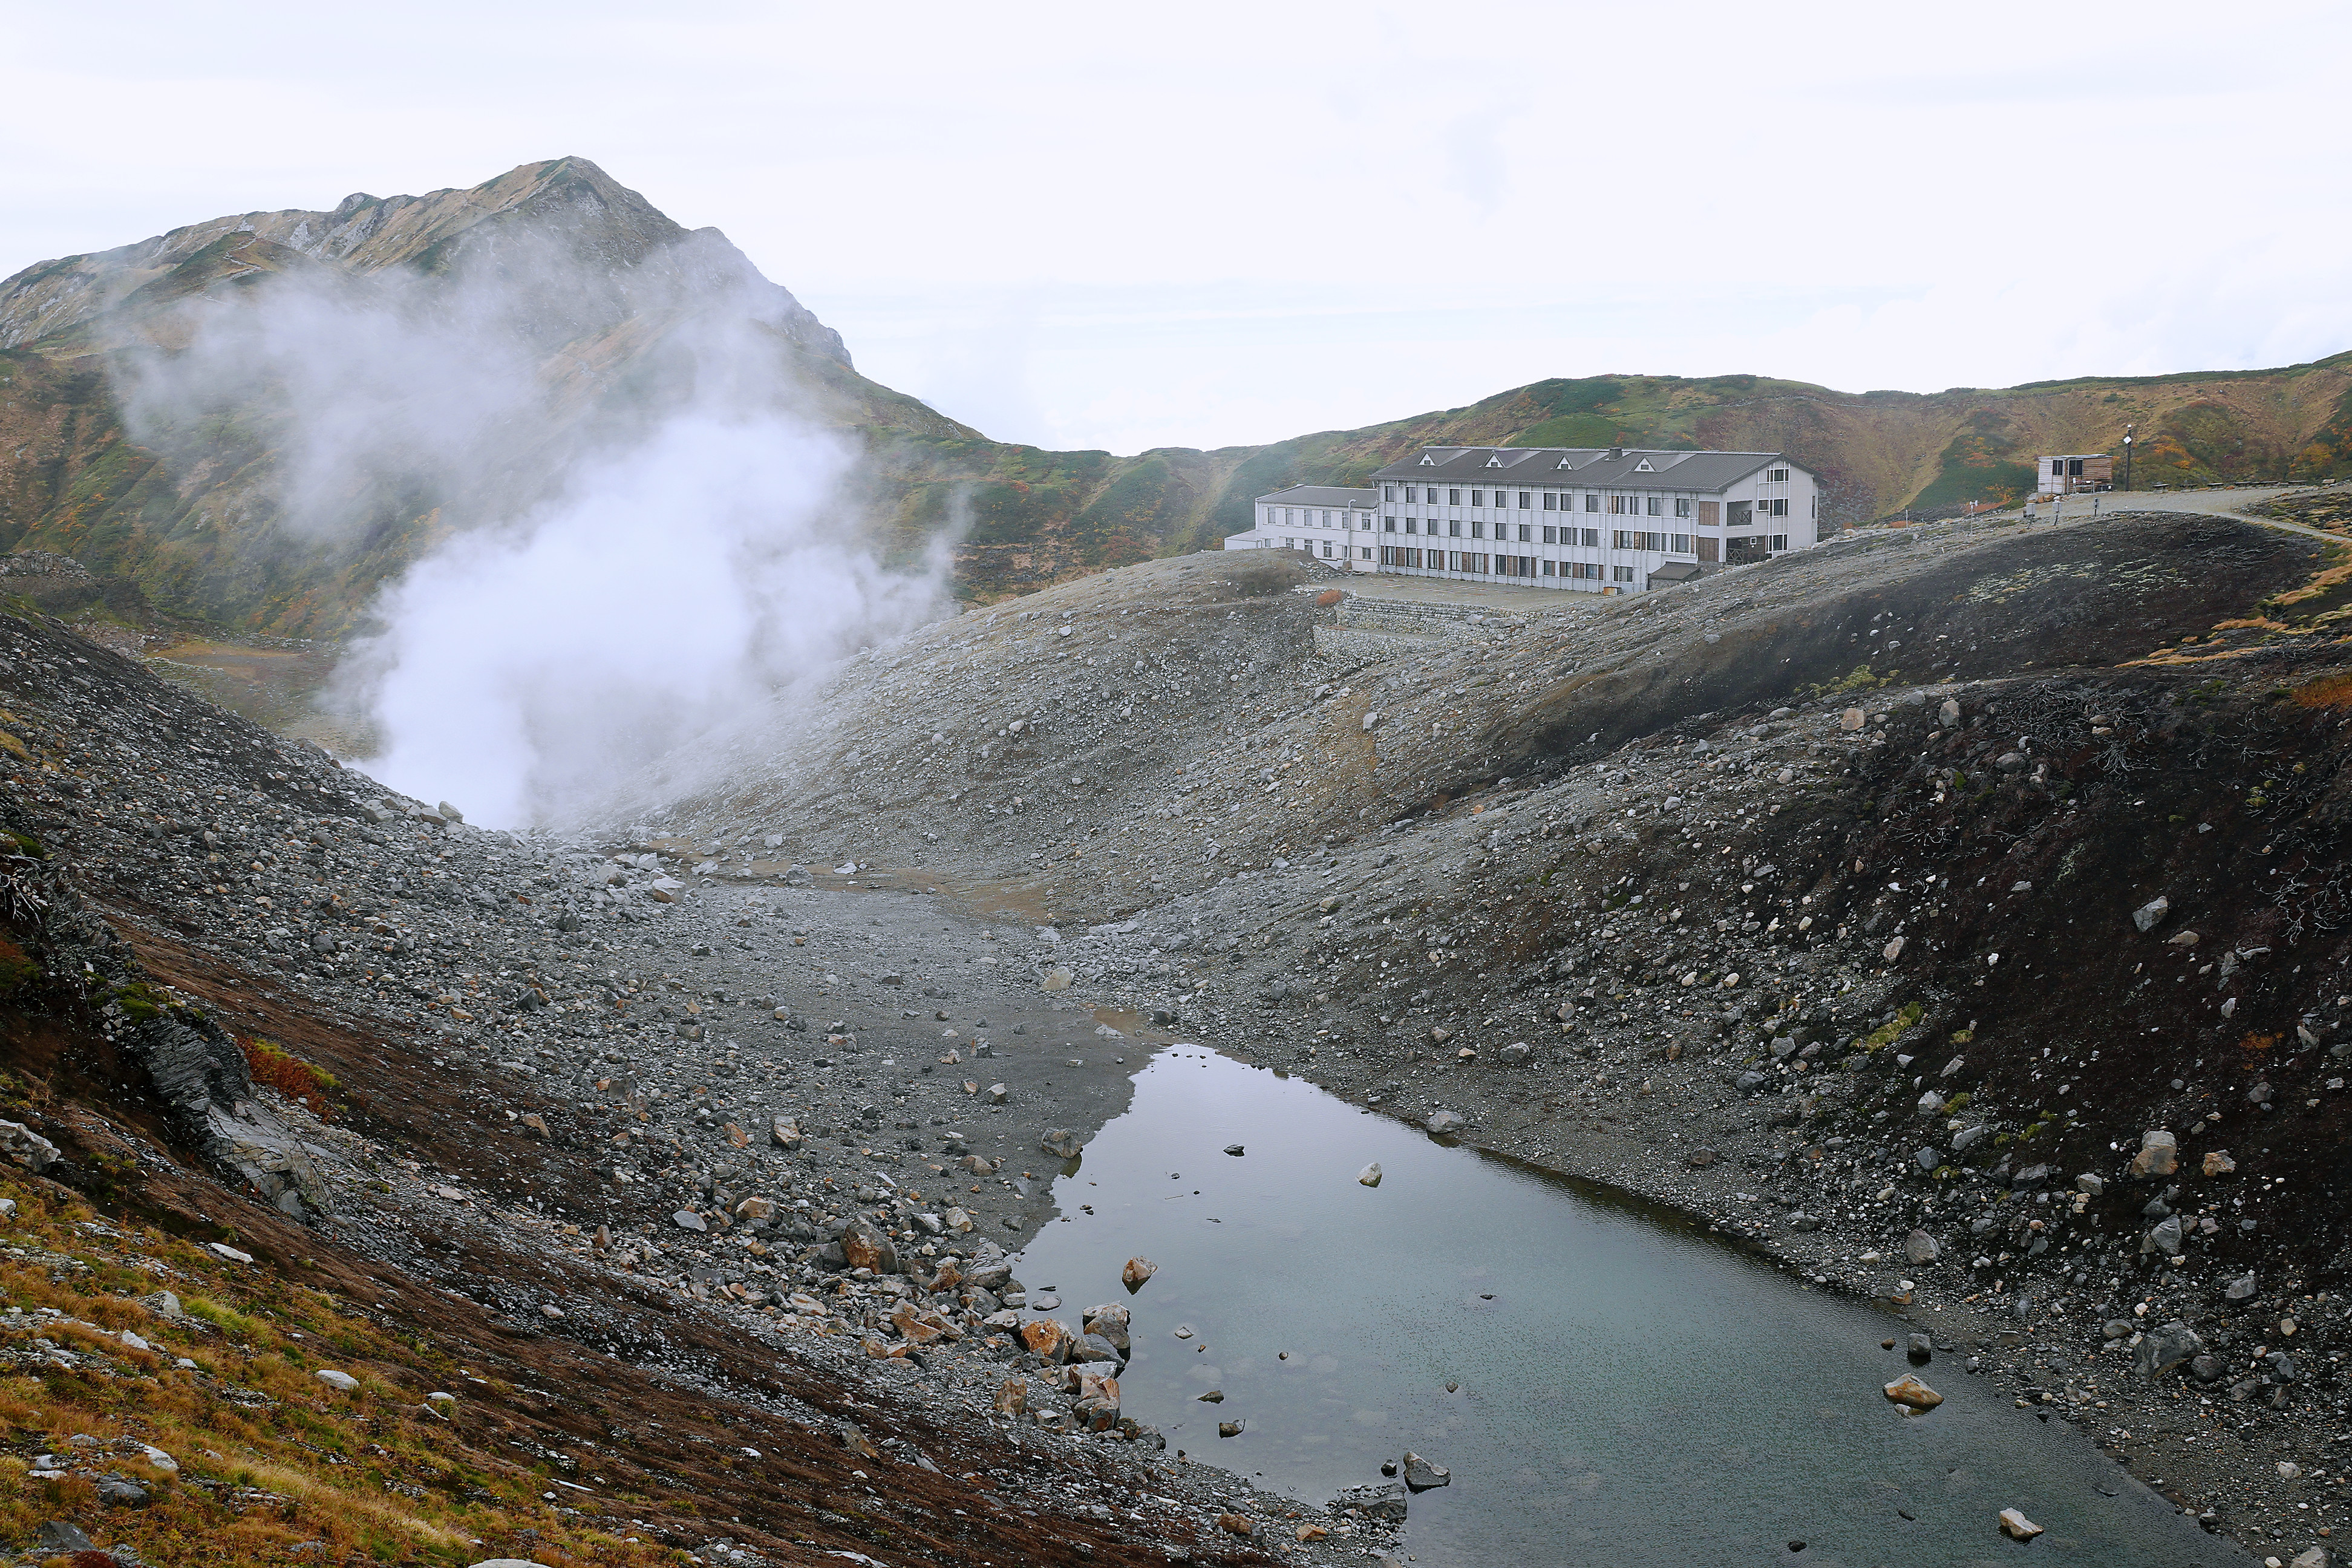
[
  {"x": 1613, "y": 521},
  {"x": 1331, "y": 522}
]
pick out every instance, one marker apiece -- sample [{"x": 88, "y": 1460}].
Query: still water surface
[{"x": 1628, "y": 1392}]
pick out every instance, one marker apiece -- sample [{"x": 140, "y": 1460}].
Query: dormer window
[
  {"x": 1494, "y": 461},
  {"x": 1643, "y": 467},
  {"x": 1428, "y": 462}
]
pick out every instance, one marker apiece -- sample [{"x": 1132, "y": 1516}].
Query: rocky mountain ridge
[{"x": 600, "y": 286}]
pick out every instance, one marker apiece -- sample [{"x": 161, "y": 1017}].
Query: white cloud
[{"x": 1480, "y": 195}]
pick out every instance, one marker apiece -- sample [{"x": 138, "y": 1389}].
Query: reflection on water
[{"x": 1603, "y": 1384}]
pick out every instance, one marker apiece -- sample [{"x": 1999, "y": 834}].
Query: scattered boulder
[
  {"x": 1048, "y": 1339},
  {"x": 1920, "y": 1248},
  {"x": 340, "y": 1381},
  {"x": 862, "y": 1246},
  {"x": 2017, "y": 1526},
  {"x": 1136, "y": 1271},
  {"x": 1110, "y": 1322},
  {"x": 2149, "y": 915},
  {"x": 2162, "y": 1349},
  {"x": 1913, "y": 1394},
  {"x": 116, "y": 1492},
  {"x": 2159, "y": 1155},
  {"x": 1442, "y": 1122},
  {"x": 1061, "y": 1142},
  {"x": 1422, "y": 1475},
  {"x": 1381, "y": 1501},
  {"x": 26, "y": 1147},
  {"x": 1369, "y": 1175}
]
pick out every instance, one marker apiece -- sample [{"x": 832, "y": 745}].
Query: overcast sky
[{"x": 1092, "y": 227}]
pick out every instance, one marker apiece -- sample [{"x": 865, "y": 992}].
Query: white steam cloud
[
  {"x": 646, "y": 540},
  {"x": 529, "y": 671}
]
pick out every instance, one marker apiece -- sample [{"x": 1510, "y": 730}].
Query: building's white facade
[
  {"x": 1608, "y": 521},
  {"x": 1330, "y": 522},
  {"x": 2072, "y": 473}
]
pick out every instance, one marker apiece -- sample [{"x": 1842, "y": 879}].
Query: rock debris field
[{"x": 1954, "y": 914}]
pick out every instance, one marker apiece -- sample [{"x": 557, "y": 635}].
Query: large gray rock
[
  {"x": 1385, "y": 1501},
  {"x": 1442, "y": 1122},
  {"x": 1061, "y": 1142},
  {"x": 2160, "y": 1350},
  {"x": 2149, "y": 915},
  {"x": 1421, "y": 1475},
  {"x": 2159, "y": 1155},
  {"x": 26, "y": 1147},
  {"x": 2164, "y": 1238},
  {"x": 1109, "y": 1321},
  {"x": 1920, "y": 1248}
]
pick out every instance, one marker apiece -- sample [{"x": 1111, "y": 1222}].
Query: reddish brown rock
[
  {"x": 1048, "y": 1337},
  {"x": 1913, "y": 1394}
]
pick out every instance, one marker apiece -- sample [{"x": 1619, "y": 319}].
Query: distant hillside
[
  {"x": 198, "y": 520},
  {"x": 1882, "y": 451}
]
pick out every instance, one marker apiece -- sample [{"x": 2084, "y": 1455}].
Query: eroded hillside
[{"x": 1954, "y": 914}]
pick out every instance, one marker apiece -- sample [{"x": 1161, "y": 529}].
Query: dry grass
[
  {"x": 275, "y": 1067},
  {"x": 2321, "y": 584},
  {"x": 2327, "y": 691},
  {"x": 270, "y": 1457}
]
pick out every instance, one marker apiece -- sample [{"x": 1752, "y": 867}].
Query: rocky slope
[
  {"x": 596, "y": 295},
  {"x": 706, "y": 1227},
  {"x": 1950, "y": 913},
  {"x": 1954, "y": 912}
]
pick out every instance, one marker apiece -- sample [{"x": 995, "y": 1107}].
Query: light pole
[{"x": 2127, "y": 450}]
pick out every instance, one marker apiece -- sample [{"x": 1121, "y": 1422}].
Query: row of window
[
  {"x": 1707, "y": 511},
  {"x": 1552, "y": 500},
  {"x": 1329, "y": 552},
  {"x": 1742, "y": 514},
  {"x": 1590, "y": 538},
  {"x": 1488, "y": 566},
  {"x": 1304, "y": 517}
]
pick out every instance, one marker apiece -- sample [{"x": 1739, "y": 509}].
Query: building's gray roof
[
  {"x": 1582, "y": 468},
  {"x": 1323, "y": 495}
]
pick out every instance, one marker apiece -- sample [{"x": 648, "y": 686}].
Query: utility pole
[{"x": 2127, "y": 450}]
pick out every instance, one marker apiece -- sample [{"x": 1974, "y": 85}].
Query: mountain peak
[{"x": 568, "y": 203}]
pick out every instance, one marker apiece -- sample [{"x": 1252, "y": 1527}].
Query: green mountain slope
[{"x": 197, "y": 517}]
